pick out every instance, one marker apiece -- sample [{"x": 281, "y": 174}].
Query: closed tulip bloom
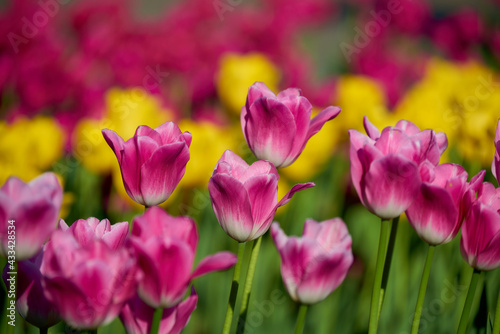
[
  {"x": 495, "y": 166},
  {"x": 277, "y": 128},
  {"x": 436, "y": 213},
  {"x": 314, "y": 265},
  {"x": 244, "y": 198},
  {"x": 385, "y": 166},
  {"x": 480, "y": 243},
  {"x": 89, "y": 282},
  {"x": 88, "y": 230},
  {"x": 152, "y": 162},
  {"x": 35, "y": 208},
  {"x": 166, "y": 245},
  {"x": 31, "y": 302},
  {"x": 136, "y": 316}
]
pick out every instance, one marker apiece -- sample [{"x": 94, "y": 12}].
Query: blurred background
[{"x": 70, "y": 68}]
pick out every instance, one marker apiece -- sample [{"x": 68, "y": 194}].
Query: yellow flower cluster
[
  {"x": 462, "y": 100},
  {"x": 29, "y": 147},
  {"x": 238, "y": 72}
]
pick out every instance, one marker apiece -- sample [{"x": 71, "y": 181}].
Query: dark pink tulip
[
  {"x": 167, "y": 245},
  {"x": 244, "y": 198},
  {"x": 436, "y": 213},
  {"x": 152, "y": 162},
  {"x": 88, "y": 230},
  {"x": 89, "y": 282},
  {"x": 314, "y": 265},
  {"x": 35, "y": 208},
  {"x": 277, "y": 128},
  {"x": 385, "y": 166},
  {"x": 136, "y": 316},
  {"x": 495, "y": 166},
  {"x": 31, "y": 303},
  {"x": 480, "y": 243}
]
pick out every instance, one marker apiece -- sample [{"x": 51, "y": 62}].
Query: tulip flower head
[
  {"x": 385, "y": 166},
  {"x": 480, "y": 243},
  {"x": 166, "y": 245},
  {"x": 88, "y": 281},
  {"x": 152, "y": 162},
  {"x": 34, "y": 207},
  {"x": 436, "y": 213},
  {"x": 277, "y": 128},
  {"x": 85, "y": 231},
  {"x": 244, "y": 198},
  {"x": 136, "y": 316},
  {"x": 314, "y": 265}
]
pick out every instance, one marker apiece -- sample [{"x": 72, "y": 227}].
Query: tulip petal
[
  {"x": 433, "y": 215},
  {"x": 162, "y": 172},
  {"x": 259, "y": 167},
  {"x": 231, "y": 206},
  {"x": 391, "y": 185},
  {"x": 115, "y": 142},
  {"x": 371, "y": 130},
  {"x": 146, "y": 131},
  {"x": 262, "y": 192},
  {"x": 130, "y": 168},
  {"x": 256, "y": 91},
  {"x": 298, "y": 187},
  {"x": 270, "y": 128},
  {"x": 495, "y": 166},
  {"x": 182, "y": 312},
  {"x": 441, "y": 141},
  {"x": 216, "y": 262},
  {"x": 489, "y": 258},
  {"x": 328, "y": 234},
  {"x": 117, "y": 235},
  {"x": 358, "y": 141},
  {"x": 237, "y": 166},
  {"x": 169, "y": 132},
  {"x": 301, "y": 110},
  {"x": 320, "y": 119},
  {"x": 146, "y": 146},
  {"x": 323, "y": 275},
  {"x": 408, "y": 127},
  {"x": 289, "y": 92}
]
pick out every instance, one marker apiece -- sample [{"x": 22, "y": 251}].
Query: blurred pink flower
[
  {"x": 166, "y": 244},
  {"x": 495, "y": 166},
  {"x": 34, "y": 207},
  {"x": 314, "y": 265}
]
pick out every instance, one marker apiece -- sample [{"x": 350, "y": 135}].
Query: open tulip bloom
[
  {"x": 152, "y": 162},
  {"x": 277, "y": 127}
]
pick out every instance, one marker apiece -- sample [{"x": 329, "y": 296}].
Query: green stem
[
  {"x": 234, "y": 290},
  {"x": 423, "y": 288},
  {"x": 301, "y": 319},
  {"x": 377, "y": 282},
  {"x": 248, "y": 283},
  {"x": 155, "y": 325},
  {"x": 388, "y": 261},
  {"x": 496, "y": 327},
  {"x": 462, "y": 327}
]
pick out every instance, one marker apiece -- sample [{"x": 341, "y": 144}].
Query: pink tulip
[
  {"x": 385, "y": 166},
  {"x": 436, "y": 213},
  {"x": 480, "y": 243},
  {"x": 314, "y": 265},
  {"x": 136, "y": 316},
  {"x": 167, "y": 245},
  {"x": 31, "y": 302},
  {"x": 277, "y": 128},
  {"x": 244, "y": 198},
  {"x": 87, "y": 230},
  {"x": 495, "y": 166},
  {"x": 88, "y": 282},
  {"x": 152, "y": 162},
  {"x": 34, "y": 207}
]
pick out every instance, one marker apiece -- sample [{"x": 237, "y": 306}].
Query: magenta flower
[
  {"x": 166, "y": 245},
  {"x": 277, "y": 128},
  {"x": 152, "y": 162},
  {"x": 480, "y": 243},
  {"x": 436, "y": 213},
  {"x": 31, "y": 302},
  {"x": 136, "y": 316},
  {"x": 87, "y": 282},
  {"x": 244, "y": 198},
  {"x": 314, "y": 265},
  {"x": 495, "y": 166},
  {"x": 385, "y": 166},
  {"x": 34, "y": 207},
  {"x": 88, "y": 230}
]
